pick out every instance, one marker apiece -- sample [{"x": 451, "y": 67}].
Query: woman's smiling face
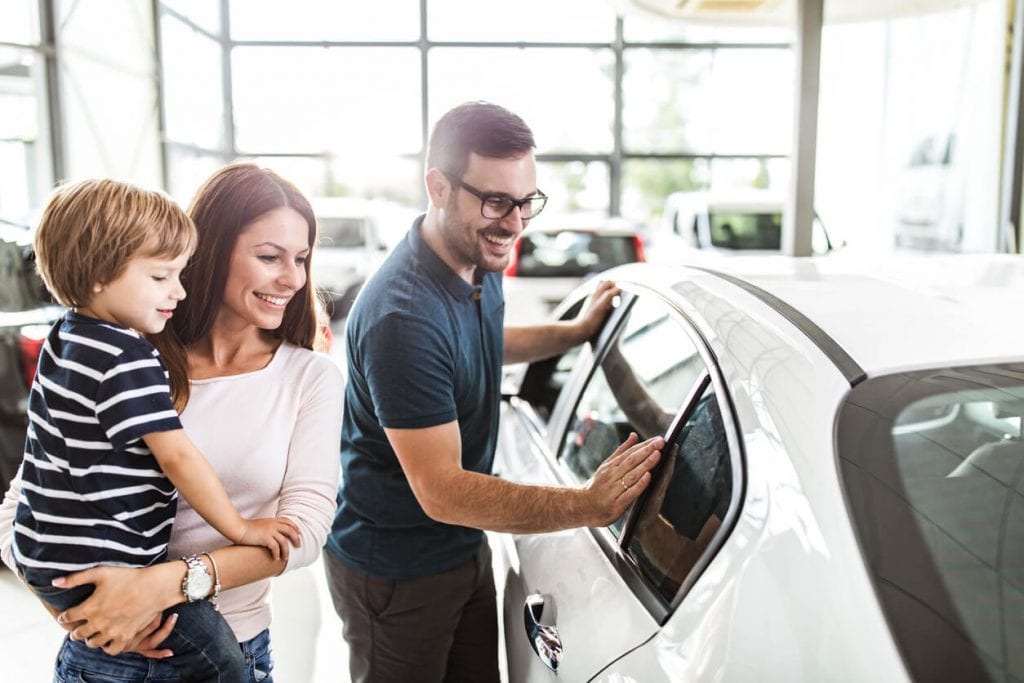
[{"x": 267, "y": 268}]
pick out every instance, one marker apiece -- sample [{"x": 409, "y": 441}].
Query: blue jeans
[{"x": 250, "y": 661}]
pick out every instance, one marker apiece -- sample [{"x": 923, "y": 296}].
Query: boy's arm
[{"x": 196, "y": 481}]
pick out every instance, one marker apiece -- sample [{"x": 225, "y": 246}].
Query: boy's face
[{"x": 143, "y": 297}]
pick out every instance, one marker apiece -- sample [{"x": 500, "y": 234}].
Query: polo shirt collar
[{"x": 439, "y": 270}]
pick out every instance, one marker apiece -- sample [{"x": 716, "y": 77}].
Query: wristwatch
[{"x": 197, "y": 582}]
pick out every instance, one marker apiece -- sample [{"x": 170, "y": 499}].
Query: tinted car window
[
  {"x": 739, "y": 230},
  {"x": 933, "y": 467},
  {"x": 638, "y": 386},
  {"x": 640, "y": 383},
  {"x": 572, "y": 253},
  {"x": 687, "y": 502}
]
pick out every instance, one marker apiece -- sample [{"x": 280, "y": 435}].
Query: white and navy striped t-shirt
[{"x": 92, "y": 491}]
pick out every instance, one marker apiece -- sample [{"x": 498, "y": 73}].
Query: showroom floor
[{"x": 307, "y": 641}]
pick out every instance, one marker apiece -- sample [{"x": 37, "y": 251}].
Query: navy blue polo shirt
[{"x": 424, "y": 347}]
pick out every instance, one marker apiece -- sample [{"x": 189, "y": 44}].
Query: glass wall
[
  {"x": 25, "y": 161},
  {"x": 911, "y": 128},
  {"x": 626, "y": 110},
  {"x": 340, "y": 99},
  {"x": 108, "y": 85}
]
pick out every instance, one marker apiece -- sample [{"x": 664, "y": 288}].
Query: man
[{"x": 408, "y": 567}]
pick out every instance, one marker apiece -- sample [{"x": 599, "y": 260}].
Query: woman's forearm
[{"x": 238, "y": 565}]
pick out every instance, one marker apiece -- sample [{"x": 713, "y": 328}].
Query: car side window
[
  {"x": 687, "y": 502},
  {"x": 640, "y": 383},
  {"x": 544, "y": 380}
]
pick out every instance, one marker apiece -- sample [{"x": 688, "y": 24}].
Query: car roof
[{"x": 888, "y": 314}]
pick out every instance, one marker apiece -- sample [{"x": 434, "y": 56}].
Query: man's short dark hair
[{"x": 476, "y": 128}]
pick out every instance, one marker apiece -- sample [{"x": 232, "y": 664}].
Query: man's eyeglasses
[{"x": 496, "y": 206}]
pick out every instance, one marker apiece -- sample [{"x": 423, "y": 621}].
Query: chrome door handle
[{"x": 543, "y": 638}]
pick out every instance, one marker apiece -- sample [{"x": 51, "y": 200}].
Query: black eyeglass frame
[{"x": 484, "y": 197}]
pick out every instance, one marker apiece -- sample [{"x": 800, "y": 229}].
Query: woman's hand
[
  {"x": 149, "y": 640},
  {"x": 123, "y": 611}
]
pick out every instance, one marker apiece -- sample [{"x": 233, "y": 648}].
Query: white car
[
  {"x": 553, "y": 256},
  {"x": 726, "y": 222},
  {"x": 349, "y": 249},
  {"x": 842, "y": 493}
]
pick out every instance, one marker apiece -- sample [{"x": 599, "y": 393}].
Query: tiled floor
[{"x": 308, "y": 646}]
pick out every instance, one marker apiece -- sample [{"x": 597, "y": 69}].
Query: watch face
[{"x": 199, "y": 583}]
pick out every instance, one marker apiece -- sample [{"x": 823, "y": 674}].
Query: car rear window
[
  {"x": 741, "y": 230},
  {"x": 572, "y": 253},
  {"x": 342, "y": 232},
  {"x": 933, "y": 469}
]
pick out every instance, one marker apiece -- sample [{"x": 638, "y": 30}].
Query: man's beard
[{"x": 460, "y": 240}]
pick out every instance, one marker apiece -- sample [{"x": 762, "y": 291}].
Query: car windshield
[
  {"x": 342, "y": 232},
  {"x": 933, "y": 469},
  {"x": 572, "y": 253},
  {"x": 746, "y": 230}
]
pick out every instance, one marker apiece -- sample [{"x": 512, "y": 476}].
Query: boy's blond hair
[{"x": 91, "y": 229}]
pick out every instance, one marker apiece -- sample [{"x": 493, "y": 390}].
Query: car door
[{"x": 592, "y": 595}]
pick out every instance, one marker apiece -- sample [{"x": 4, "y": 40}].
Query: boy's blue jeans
[
  {"x": 205, "y": 649},
  {"x": 77, "y": 662}
]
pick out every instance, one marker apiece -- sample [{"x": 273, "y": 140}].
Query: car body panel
[
  {"x": 537, "y": 564},
  {"x": 915, "y": 304},
  {"x": 792, "y": 546},
  {"x": 788, "y": 595}
]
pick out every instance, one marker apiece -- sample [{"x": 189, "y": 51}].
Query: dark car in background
[
  {"x": 553, "y": 256},
  {"x": 26, "y": 314}
]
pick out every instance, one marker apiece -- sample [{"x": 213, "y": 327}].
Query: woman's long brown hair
[{"x": 229, "y": 200}]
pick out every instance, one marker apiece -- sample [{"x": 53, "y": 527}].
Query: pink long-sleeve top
[{"x": 272, "y": 436}]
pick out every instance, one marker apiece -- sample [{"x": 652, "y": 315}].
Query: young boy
[{"x": 105, "y": 455}]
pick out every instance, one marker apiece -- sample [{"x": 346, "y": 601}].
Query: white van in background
[{"x": 724, "y": 222}]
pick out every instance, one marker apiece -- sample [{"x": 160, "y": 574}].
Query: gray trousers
[{"x": 436, "y": 628}]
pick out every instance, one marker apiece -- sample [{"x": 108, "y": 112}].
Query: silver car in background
[{"x": 841, "y": 496}]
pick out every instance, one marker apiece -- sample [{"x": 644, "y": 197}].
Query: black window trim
[{"x": 614, "y": 548}]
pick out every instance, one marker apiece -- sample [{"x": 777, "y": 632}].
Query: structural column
[{"x": 799, "y": 215}]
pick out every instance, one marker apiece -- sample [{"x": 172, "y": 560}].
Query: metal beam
[
  {"x": 1013, "y": 155},
  {"x": 48, "y": 31},
  {"x": 161, "y": 119},
  {"x": 615, "y": 165},
  {"x": 799, "y": 214},
  {"x": 227, "y": 91}
]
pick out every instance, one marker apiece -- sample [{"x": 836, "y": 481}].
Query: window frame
[{"x": 549, "y": 437}]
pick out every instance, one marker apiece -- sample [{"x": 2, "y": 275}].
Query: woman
[{"x": 258, "y": 402}]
